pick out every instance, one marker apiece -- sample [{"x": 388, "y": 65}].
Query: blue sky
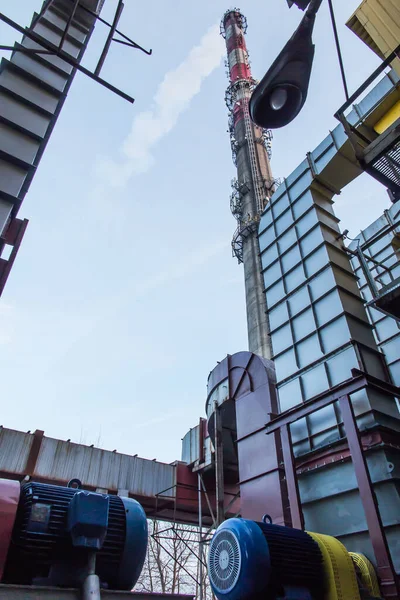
[{"x": 124, "y": 293}]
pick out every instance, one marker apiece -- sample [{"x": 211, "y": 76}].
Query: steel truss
[
  {"x": 208, "y": 520},
  {"x": 52, "y": 49}
]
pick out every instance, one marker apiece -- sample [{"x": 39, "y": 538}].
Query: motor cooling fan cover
[{"x": 238, "y": 560}]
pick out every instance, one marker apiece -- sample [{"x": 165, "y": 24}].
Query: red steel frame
[
  {"x": 13, "y": 237},
  {"x": 390, "y": 584}
]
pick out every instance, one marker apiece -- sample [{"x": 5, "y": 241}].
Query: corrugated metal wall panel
[
  {"x": 377, "y": 24},
  {"x": 103, "y": 469},
  {"x": 191, "y": 446},
  {"x": 14, "y": 450},
  {"x": 61, "y": 461}
]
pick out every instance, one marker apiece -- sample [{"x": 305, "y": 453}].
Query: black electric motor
[{"x": 57, "y": 527}]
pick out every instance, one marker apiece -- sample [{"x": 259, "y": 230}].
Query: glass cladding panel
[
  {"x": 273, "y": 273},
  {"x": 295, "y": 278},
  {"x": 301, "y": 447},
  {"x": 284, "y": 221},
  {"x": 285, "y": 364},
  {"x": 291, "y": 258},
  {"x": 268, "y": 256},
  {"x": 395, "y": 372},
  {"x": 289, "y": 395},
  {"x": 300, "y": 186},
  {"x": 322, "y": 147},
  {"x": 267, "y": 237},
  {"x": 382, "y": 277},
  {"x": 360, "y": 402},
  {"x": 385, "y": 256},
  {"x": 362, "y": 281},
  {"x": 316, "y": 261},
  {"x": 355, "y": 264},
  {"x": 324, "y": 438},
  {"x": 328, "y": 307},
  {"x": 391, "y": 259},
  {"x": 392, "y": 350},
  {"x": 282, "y": 339},
  {"x": 366, "y": 294},
  {"x": 322, "y": 419},
  {"x": 299, "y": 430},
  {"x": 374, "y": 315},
  {"x": 275, "y": 293},
  {"x": 339, "y": 366},
  {"x": 309, "y": 351},
  {"x": 287, "y": 240},
  {"x": 378, "y": 246},
  {"x": 311, "y": 241},
  {"x": 326, "y": 158},
  {"x": 303, "y": 325},
  {"x": 280, "y": 205},
  {"x": 321, "y": 284},
  {"x": 266, "y": 218},
  {"x": 335, "y": 334},
  {"x": 374, "y": 363},
  {"x": 304, "y": 224},
  {"x": 278, "y": 315},
  {"x": 299, "y": 300},
  {"x": 396, "y": 270},
  {"x": 314, "y": 382},
  {"x": 386, "y": 328},
  {"x": 302, "y": 204}
]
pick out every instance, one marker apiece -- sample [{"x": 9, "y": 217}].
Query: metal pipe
[
  {"x": 200, "y": 576},
  {"x": 219, "y": 465},
  {"x": 338, "y": 50},
  {"x": 208, "y": 501},
  {"x": 107, "y": 45},
  {"x": 368, "y": 276},
  {"x": 25, "y": 50},
  {"x": 91, "y": 585}
]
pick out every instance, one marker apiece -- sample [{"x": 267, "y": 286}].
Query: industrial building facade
[{"x": 305, "y": 425}]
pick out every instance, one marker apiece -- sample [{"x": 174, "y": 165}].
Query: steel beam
[
  {"x": 296, "y": 511},
  {"x": 385, "y": 568},
  {"x": 219, "y": 466}
]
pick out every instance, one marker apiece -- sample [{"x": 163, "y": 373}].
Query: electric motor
[
  {"x": 250, "y": 560},
  {"x": 56, "y": 528}
]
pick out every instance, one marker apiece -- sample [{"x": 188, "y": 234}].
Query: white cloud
[
  {"x": 172, "y": 97},
  {"x": 179, "y": 270}
]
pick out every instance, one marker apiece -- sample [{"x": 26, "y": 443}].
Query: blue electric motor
[
  {"x": 56, "y": 529},
  {"x": 249, "y": 560}
]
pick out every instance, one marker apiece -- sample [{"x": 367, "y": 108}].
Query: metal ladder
[{"x": 258, "y": 189}]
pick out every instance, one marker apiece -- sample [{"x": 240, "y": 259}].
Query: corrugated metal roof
[
  {"x": 14, "y": 450},
  {"x": 62, "y": 461},
  {"x": 377, "y": 23},
  {"x": 104, "y": 469}
]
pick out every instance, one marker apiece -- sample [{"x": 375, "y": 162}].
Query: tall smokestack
[{"x": 251, "y": 149}]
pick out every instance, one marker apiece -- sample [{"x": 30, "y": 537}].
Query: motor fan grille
[{"x": 224, "y": 561}]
